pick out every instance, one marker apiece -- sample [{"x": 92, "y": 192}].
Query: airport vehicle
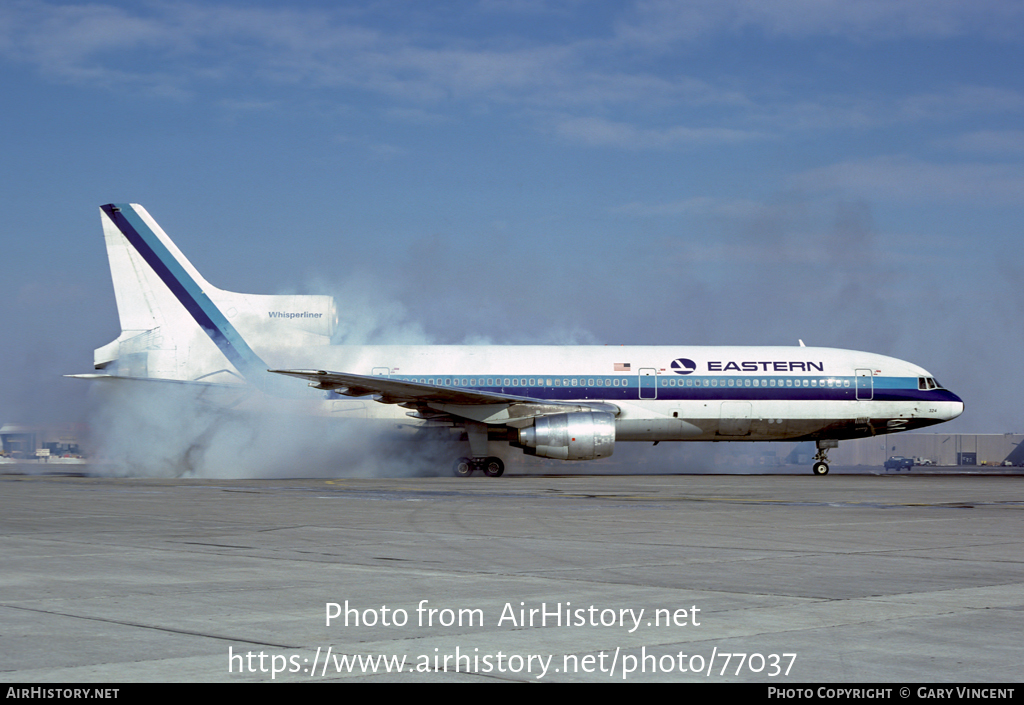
[
  {"x": 898, "y": 462},
  {"x": 562, "y": 402}
]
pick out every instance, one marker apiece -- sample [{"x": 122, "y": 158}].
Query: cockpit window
[{"x": 928, "y": 383}]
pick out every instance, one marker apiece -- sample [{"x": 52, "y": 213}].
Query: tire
[
  {"x": 820, "y": 468},
  {"x": 493, "y": 467},
  {"x": 463, "y": 467}
]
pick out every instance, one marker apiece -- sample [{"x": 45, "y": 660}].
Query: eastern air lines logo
[{"x": 683, "y": 366}]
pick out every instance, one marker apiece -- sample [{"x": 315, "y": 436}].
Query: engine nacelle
[{"x": 579, "y": 435}]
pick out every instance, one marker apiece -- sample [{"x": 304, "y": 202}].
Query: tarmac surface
[{"x": 900, "y": 578}]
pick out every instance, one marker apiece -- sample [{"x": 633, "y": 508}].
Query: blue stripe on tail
[{"x": 186, "y": 290}]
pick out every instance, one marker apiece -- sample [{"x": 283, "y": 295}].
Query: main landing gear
[
  {"x": 492, "y": 466},
  {"x": 820, "y": 466},
  {"x": 476, "y": 434}
]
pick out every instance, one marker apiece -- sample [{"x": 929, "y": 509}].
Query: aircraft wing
[{"x": 474, "y": 404}]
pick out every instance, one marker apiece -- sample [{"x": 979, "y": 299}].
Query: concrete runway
[{"x": 903, "y": 578}]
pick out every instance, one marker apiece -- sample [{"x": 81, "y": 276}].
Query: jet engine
[{"x": 579, "y": 435}]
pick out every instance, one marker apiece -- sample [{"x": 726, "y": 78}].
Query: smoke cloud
[{"x": 156, "y": 429}]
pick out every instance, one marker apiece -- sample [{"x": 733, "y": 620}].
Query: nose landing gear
[{"x": 820, "y": 466}]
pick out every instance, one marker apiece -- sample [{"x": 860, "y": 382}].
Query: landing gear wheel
[
  {"x": 820, "y": 466},
  {"x": 463, "y": 467},
  {"x": 493, "y": 467}
]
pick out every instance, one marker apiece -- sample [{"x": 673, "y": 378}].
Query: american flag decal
[{"x": 622, "y": 367}]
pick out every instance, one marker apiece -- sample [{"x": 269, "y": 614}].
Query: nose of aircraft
[{"x": 954, "y": 406}]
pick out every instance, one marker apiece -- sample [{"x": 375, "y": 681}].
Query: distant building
[
  {"x": 940, "y": 448},
  {"x": 947, "y": 449},
  {"x": 27, "y": 442}
]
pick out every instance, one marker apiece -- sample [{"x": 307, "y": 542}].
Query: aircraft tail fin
[{"x": 176, "y": 325}]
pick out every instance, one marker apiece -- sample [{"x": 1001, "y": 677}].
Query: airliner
[{"x": 559, "y": 402}]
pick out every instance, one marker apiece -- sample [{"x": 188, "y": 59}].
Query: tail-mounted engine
[{"x": 579, "y": 435}]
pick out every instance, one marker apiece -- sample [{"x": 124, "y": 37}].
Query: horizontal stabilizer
[{"x": 191, "y": 383}]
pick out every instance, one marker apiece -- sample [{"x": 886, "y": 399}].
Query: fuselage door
[
  {"x": 865, "y": 385},
  {"x": 648, "y": 383},
  {"x": 735, "y": 419}
]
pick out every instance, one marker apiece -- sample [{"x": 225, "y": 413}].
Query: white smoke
[
  {"x": 157, "y": 429},
  {"x": 370, "y": 312}
]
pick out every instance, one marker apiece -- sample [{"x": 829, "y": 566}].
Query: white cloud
[
  {"x": 662, "y": 22},
  {"x": 961, "y": 101},
  {"x": 996, "y": 142},
  {"x": 590, "y": 86},
  {"x": 601, "y": 132},
  {"x": 907, "y": 180},
  {"x": 698, "y": 206}
]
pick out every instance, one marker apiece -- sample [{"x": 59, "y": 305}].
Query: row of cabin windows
[
  {"x": 623, "y": 382},
  {"x": 748, "y": 382},
  {"x": 525, "y": 381}
]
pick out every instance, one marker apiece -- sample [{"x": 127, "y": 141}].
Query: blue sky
[{"x": 708, "y": 172}]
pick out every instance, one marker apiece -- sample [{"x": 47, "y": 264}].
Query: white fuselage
[{"x": 731, "y": 393}]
